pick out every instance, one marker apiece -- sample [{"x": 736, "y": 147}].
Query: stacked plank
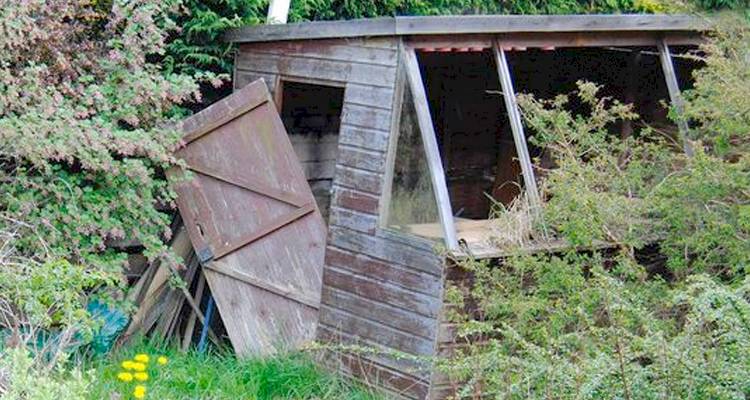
[{"x": 167, "y": 299}]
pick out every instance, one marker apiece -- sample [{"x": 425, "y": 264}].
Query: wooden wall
[{"x": 380, "y": 290}]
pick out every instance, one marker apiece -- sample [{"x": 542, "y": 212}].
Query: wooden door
[{"x": 253, "y": 221}]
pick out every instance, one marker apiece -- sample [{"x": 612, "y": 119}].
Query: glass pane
[{"x": 412, "y": 208}]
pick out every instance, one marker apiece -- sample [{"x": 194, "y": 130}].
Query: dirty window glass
[{"x": 412, "y": 208}]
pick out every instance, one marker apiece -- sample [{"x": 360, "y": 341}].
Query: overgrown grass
[{"x": 220, "y": 375}]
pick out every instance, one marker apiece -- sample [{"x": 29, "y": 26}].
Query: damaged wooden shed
[{"x": 408, "y": 134}]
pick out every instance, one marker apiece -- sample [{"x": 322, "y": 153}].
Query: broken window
[
  {"x": 632, "y": 75},
  {"x": 473, "y": 131},
  {"x": 412, "y": 207},
  {"x": 475, "y": 142},
  {"x": 311, "y": 116}
]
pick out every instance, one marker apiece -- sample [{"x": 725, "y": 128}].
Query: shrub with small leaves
[
  {"x": 85, "y": 128},
  {"x": 652, "y": 298}
]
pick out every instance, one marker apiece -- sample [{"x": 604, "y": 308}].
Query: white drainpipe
[{"x": 278, "y": 11}]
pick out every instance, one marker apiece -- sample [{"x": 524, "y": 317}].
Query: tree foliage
[
  {"x": 85, "y": 110},
  {"x": 652, "y": 300}
]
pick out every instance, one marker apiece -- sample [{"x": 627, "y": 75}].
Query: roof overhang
[{"x": 468, "y": 24}]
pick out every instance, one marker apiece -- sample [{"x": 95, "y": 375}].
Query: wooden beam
[
  {"x": 466, "y": 24},
  {"x": 516, "y": 125},
  {"x": 674, "y": 95},
  {"x": 424, "y": 120}
]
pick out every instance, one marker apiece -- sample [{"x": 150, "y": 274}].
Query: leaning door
[{"x": 253, "y": 221}]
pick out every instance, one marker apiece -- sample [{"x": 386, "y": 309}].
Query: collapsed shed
[{"x": 407, "y": 132}]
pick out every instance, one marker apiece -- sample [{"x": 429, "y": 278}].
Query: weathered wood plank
[
  {"x": 353, "y": 220},
  {"x": 358, "y": 179},
  {"x": 404, "y": 25},
  {"x": 339, "y": 320},
  {"x": 376, "y": 352},
  {"x": 372, "y": 139},
  {"x": 367, "y": 95},
  {"x": 393, "y": 317},
  {"x": 329, "y": 49},
  {"x": 244, "y": 78},
  {"x": 386, "y": 250},
  {"x": 320, "y": 29},
  {"x": 374, "y": 75},
  {"x": 360, "y": 158},
  {"x": 396, "y": 385},
  {"x": 367, "y": 117},
  {"x": 391, "y": 273},
  {"x": 355, "y": 200},
  {"x": 544, "y": 23},
  {"x": 393, "y": 295}
]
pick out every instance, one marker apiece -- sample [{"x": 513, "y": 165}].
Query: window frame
[{"x": 409, "y": 74}]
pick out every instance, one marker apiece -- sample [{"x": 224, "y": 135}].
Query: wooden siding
[
  {"x": 385, "y": 295},
  {"x": 380, "y": 291}
]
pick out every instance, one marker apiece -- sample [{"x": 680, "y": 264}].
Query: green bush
[
  {"x": 663, "y": 310},
  {"x": 84, "y": 133},
  {"x": 21, "y": 380},
  {"x": 85, "y": 137}
]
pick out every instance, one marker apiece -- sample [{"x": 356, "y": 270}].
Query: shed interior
[{"x": 312, "y": 116}]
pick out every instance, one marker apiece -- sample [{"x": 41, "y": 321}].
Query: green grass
[{"x": 222, "y": 376}]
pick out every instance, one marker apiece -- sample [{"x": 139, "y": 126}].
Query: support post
[
  {"x": 516, "y": 125},
  {"x": 674, "y": 95},
  {"x": 278, "y": 12},
  {"x": 424, "y": 120}
]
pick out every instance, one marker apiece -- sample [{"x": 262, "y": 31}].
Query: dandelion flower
[
  {"x": 162, "y": 360},
  {"x": 127, "y": 365},
  {"x": 125, "y": 376},
  {"x": 141, "y": 376},
  {"x": 140, "y": 367},
  {"x": 139, "y": 392},
  {"x": 142, "y": 358}
]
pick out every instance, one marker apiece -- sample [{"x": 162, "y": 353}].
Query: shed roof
[{"x": 466, "y": 24}]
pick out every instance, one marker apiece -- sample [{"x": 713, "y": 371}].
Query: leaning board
[{"x": 253, "y": 221}]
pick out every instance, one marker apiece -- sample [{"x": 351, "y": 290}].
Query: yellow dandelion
[
  {"x": 125, "y": 376},
  {"x": 162, "y": 360},
  {"x": 127, "y": 365},
  {"x": 140, "y": 367},
  {"x": 139, "y": 392},
  {"x": 142, "y": 358},
  {"x": 141, "y": 376}
]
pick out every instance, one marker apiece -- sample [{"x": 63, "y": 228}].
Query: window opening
[
  {"x": 629, "y": 74},
  {"x": 312, "y": 116},
  {"x": 473, "y": 131},
  {"x": 412, "y": 207}
]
